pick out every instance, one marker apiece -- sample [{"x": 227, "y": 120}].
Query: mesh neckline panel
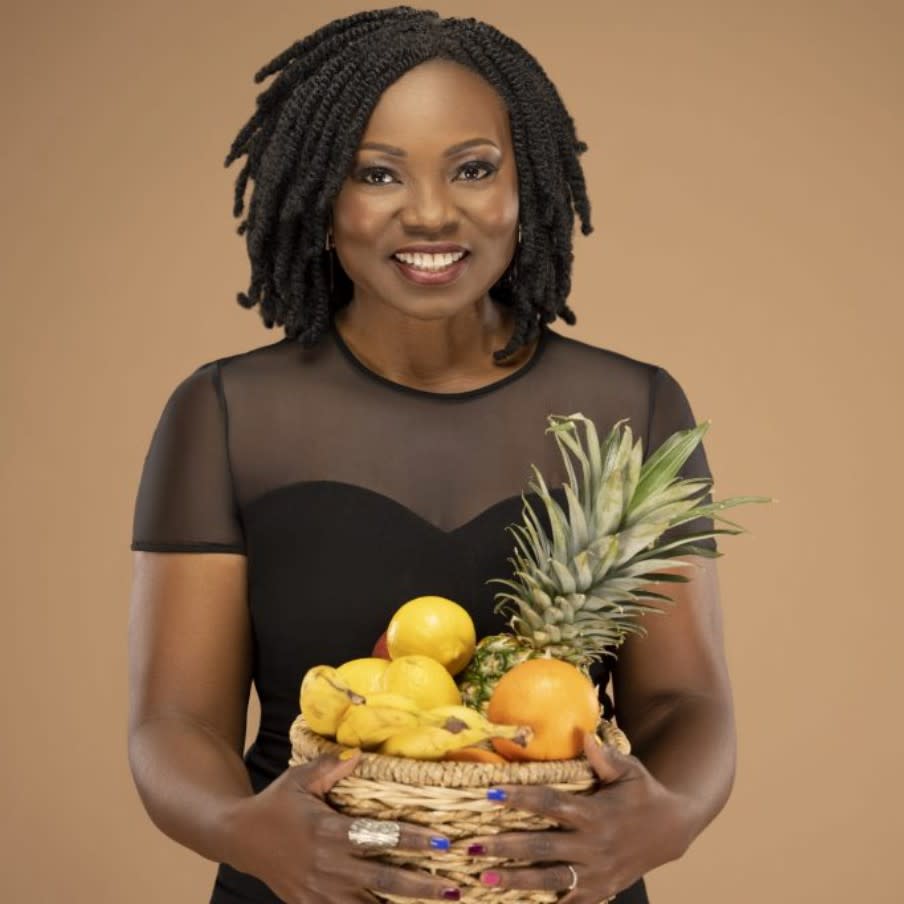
[
  {"x": 290, "y": 419},
  {"x": 453, "y": 396}
]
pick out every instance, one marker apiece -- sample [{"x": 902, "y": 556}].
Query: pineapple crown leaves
[{"x": 584, "y": 585}]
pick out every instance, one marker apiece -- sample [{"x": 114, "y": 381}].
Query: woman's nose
[{"x": 428, "y": 209}]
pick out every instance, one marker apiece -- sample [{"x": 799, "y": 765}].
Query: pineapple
[{"x": 576, "y": 596}]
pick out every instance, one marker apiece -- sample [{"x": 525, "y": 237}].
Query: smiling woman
[
  {"x": 437, "y": 188},
  {"x": 411, "y": 132},
  {"x": 415, "y": 185}
]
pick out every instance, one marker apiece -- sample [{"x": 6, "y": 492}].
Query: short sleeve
[
  {"x": 670, "y": 411},
  {"x": 186, "y": 500}
]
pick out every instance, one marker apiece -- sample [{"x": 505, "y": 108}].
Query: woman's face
[{"x": 423, "y": 186}]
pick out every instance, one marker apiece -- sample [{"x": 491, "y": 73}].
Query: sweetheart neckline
[{"x": 556, "y": 492}]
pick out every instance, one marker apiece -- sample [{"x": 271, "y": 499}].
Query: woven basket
[{"x": 450, "y": 797}]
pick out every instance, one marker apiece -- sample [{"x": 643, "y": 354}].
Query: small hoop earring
[
  {"x": 328, "y": 246},
  {"x": 519, "y": 233}
]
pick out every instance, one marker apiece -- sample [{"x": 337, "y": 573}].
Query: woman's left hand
[{"x": 611, "y": 837}]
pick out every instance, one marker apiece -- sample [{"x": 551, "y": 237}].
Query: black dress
[{"x": 350, "y": 494}]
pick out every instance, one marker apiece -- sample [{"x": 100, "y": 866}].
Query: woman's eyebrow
[{"x": 449, "y": 152}]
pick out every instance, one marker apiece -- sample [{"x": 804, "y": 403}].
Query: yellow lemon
[
  {"x": 364, "y": 676},
  {"x": 423, "y": 679},
  {"x": 433, "y": 626}
]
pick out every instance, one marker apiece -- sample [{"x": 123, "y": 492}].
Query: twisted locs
[{"x": 301, "y": 140}]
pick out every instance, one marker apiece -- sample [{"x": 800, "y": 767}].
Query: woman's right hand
[{"x": 290, "y": 838}]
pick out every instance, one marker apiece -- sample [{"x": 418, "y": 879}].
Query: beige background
[{"x": 745, "y": 170}]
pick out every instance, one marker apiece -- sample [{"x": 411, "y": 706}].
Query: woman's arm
[
  {"x": 189, "y": 681},
  {"x": 673, "y": 699}
]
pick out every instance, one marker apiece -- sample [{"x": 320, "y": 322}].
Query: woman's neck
[{"x": 450, "y": 354}]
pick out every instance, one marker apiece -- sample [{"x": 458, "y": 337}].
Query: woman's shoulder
[
  {"x": 257, "y": 354},
  {"x": 278, "y": 360},
  {"x": 580, "y": 354}
]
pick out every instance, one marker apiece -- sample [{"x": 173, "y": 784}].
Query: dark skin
[
  {"x": 673, "y": 699},
  {"x": 438, "y": 338},
  {"x": 672, "y": 691},
  {"x": 188, "y": 701}
]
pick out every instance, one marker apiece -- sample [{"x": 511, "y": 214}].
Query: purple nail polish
[
  {"x": 476, "y": 849},
  {"x": 496, "y": 794},
  {"x": 451, "y": 894},
  {"x": 490, "y": 877},
  {"x": 439, "y": 844}
]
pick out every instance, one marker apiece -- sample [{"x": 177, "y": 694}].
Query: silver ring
[
  {"x": 374, "y": 833},
  {"x": 574, "y": 878}
]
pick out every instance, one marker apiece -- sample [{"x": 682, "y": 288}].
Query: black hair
[{"x": 302, "y": 138}]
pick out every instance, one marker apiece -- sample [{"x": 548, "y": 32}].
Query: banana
[
  {"x": 431, "y": 742},
  {"x": 395, "y": 701},
  {"x": 367, "y": 725},
  {"x": 428, "y": 742},
  {"x": 324, "y": 697},
  {"x": 396, "y": 722},
  {"x": 458, "y": 718}
]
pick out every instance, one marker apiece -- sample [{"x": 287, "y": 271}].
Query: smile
[
  {"x": 431, "y": 262},
  {"x": 431, "y": 269}
]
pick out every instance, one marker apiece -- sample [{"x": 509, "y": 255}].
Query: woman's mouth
[{"x": 431, "y": 269}]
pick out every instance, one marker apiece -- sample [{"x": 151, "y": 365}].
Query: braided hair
[{"x": 302, "y": 138}]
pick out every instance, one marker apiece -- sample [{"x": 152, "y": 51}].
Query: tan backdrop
[{"x": 745, "y": 170}]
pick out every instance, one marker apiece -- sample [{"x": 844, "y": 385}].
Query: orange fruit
[
  {"x": 474, "y": 755},
  {"x": 556, "y": 699}
]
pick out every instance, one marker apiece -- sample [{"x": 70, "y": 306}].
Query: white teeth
[{"x": 429, "y": 261}]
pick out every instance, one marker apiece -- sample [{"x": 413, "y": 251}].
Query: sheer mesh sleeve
[
  {"x": 186, "y": 500},
  {"x": 670, "y": 411}
]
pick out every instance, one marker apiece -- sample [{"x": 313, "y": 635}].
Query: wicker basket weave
[{"x": 450, "y": 797}]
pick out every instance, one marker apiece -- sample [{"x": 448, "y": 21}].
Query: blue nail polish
[
  {"x": 496, "y": 794},
  {"x": 439, "y": 844}
]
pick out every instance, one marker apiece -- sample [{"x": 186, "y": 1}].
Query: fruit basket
[
  {"x": 449, "y": 797},
  {"x": 580, "y": 586}
]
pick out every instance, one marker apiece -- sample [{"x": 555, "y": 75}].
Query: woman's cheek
[
  {"x": 497, "y": 216},
  {"x": 360, "y": 219}
]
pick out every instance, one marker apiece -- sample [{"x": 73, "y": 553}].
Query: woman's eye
[
  {"x": 377, "y": 175},
  {"x": 374, "y": 170},
  {"x": 472, "y": 165}
]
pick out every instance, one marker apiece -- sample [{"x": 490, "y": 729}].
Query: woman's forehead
[{"x": 435, "y": 105}]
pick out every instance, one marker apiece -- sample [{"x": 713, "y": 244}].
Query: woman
[{"x": 415, "y": 183}]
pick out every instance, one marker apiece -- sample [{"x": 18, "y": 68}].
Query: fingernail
[
  {"x": 496, "y": 794},
  {"x": 476, "y": 849},
  {"x": 451, "y": 894},
  {"x": 348, "y": 754},
  {"x": 490, "y": 877},
  {"x": 439, "y": 843}
]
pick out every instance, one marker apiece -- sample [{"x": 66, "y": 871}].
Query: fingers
[
  {"x": 547, "y": 878},
  {"x": 394, "y": 880},
  {"x": 419, "y": 838},
  {"x": 536, "y": 847},
  {"x": 334, "y": 827},
  {"x": 318, "y": 776},
  {"x": 608, "y": 763},
  {"x": 356, "y": 865},
  {"x": 368, "y": 875},
  {"x": 564, "y": 807}
]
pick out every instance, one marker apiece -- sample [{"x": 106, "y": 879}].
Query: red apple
[{"x": 381, "y": 650}]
